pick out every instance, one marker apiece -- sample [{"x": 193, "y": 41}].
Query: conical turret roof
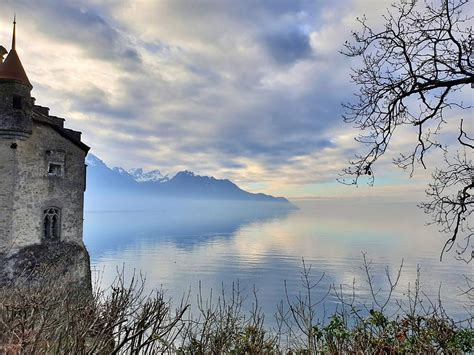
[{"x": 11, "y": 68}]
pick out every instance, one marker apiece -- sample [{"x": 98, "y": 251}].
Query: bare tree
[{"x": 412, "y": 74}]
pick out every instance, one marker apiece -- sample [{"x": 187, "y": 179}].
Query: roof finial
[{"x": 14, "y": 33}]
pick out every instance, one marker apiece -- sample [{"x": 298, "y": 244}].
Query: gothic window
[
  {"x": 17, "y": 102},
  {"x": 52, "y": 223}
]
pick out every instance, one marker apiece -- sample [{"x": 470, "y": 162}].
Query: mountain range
[{"x": 111, "y": 188}]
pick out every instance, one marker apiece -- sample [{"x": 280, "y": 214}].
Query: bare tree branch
[{"x": 410, "y": 74}]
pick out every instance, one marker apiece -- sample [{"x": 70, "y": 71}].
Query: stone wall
[
  {"x": 29, "y": 189},
  {"x": 8, "y": 176},
  {"x": 47, "y": 264},
  {"x": 14, "y": 121}
]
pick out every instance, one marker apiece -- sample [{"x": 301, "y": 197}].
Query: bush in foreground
[{"x": 56, "y": 318}]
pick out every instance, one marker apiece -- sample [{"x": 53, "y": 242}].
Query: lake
[{"x": 215, "y": 246}]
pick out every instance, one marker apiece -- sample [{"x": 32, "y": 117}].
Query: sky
[{"x": 245, "y": 90}]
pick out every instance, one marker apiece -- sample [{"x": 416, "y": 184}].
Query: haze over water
[{"x": 215, "y": 247}]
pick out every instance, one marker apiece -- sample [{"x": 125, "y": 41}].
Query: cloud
[
  {"x": 244, "y": 90},
  {"x": 288, "y": 46},
  {"x": 78, "y": 23}
]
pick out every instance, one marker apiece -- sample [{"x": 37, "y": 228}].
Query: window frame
[
  {"x": 51, "y": 224},
  {"x": 56, "y": 164}
]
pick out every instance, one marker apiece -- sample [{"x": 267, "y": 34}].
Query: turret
[{"x": 16, "y": 102}]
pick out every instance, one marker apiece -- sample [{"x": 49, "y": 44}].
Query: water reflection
[
  {"x": 262, "y": 247},
  {"x": 183, "y": 225}
]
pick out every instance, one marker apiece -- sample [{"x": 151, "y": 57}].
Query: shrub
[{"x": 57, "y": 318}]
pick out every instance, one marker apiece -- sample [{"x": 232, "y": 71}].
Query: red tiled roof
[{"x": 12, "y": 69}]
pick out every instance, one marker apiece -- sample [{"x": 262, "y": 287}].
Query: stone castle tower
[{"x": 42, "y": 174}]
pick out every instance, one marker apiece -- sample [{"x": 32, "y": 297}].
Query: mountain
[
  {"x": 112, "y": 188},
  {"x": 100, "y": 176},
  {"x": 149, "y": 176}
]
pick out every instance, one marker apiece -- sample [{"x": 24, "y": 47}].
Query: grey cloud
[
  {"x": 95, "y": 100},
  {"x": 78, "y": 22},
  {"x": 200, "y": 108},
  {"x": 288, "y": 46},
  {"x": 242, "y": 11},
  {"x": 276, "y": 130}
]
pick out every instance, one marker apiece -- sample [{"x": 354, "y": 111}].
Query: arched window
[{"x": 52, "y": 223}]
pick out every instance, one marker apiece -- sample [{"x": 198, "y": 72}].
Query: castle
[{"x": 42, "y": 172}]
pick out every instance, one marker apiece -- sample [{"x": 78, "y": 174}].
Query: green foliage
[
  {"x": 336, "y": 334},
  {"x": 376, "y": 333},
  {"x": 462, "y": 340}
]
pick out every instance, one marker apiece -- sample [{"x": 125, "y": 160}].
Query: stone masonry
[{"x": 42, "y": 179}]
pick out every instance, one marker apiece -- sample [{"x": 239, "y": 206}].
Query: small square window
[
  {"x": 17, "y": 102},
  {"x": 55, "y": 169}
]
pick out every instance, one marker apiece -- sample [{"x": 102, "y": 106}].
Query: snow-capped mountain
[
  {"x": 121, "y": 171},
  {"x": 119, "y": 186},
  {"x": 147, "y": 176},
  {"x": 92, "y": 160}
]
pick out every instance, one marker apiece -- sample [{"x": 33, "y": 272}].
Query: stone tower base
[{"x": 39, "y": 264}]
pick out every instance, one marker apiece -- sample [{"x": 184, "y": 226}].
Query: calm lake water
[{"x": 177, "y": 250}]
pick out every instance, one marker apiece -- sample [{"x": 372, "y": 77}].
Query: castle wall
[
  {"x": 42, "y": 177},
  {"x": 8, "y": 174},
  {"x": 36, "y": 190},
  {"x": 14, "y": 120}
]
